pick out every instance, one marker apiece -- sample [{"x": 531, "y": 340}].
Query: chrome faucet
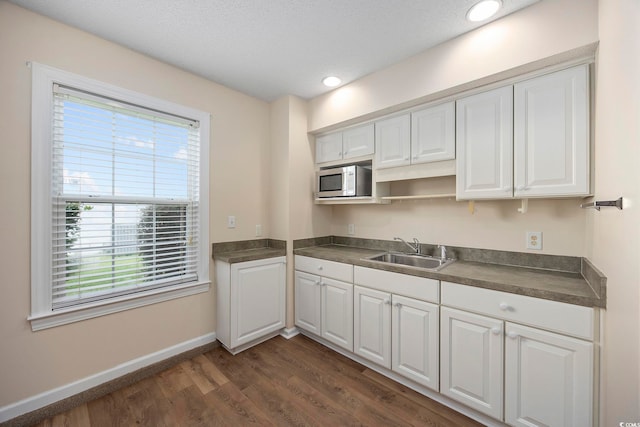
[
  {"x": 415, "y": 247},
  {"x": 443, "y": 252}
]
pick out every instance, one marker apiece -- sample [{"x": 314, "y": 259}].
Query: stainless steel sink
[{"x": 411, "y": 260}]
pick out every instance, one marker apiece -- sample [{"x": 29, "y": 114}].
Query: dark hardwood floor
[{"x": 280, "y": 382}]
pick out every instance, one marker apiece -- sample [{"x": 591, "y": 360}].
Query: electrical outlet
[
  {"x": 534, "y": 240},
  {"x": 231, "y": 221},
  {"x": 351, "y": 229},
  {"x": 258, "y": 230}
]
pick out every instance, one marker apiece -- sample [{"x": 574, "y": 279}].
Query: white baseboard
[
  {"x": 48, "y": 397},
  {"x": 289, "y": 333}
]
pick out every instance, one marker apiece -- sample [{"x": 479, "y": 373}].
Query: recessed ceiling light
[
  {"x": 331, "y": 81},
  {"x": 483, "y": 10}
]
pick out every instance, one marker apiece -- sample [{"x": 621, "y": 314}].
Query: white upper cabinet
[
  {"x": 393, "y": 142},
  {"x": 433, "y": 134},
  {"x": 358, "y": 141},
  {"x": 551, "y": 134},
  {"x": 484, "y": 145},
  {"x": 353, "y": 142},
  {"x": 329, "y": 147}
]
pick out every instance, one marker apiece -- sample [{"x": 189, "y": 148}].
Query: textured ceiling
[{"x": 270, "y": 48}]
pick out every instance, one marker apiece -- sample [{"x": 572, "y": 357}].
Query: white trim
[
  {"x": 43, "y": 79},
  {"x": 114, "y": 305},
  {"x": 51, "y": 396},
  {"x": 289, "y": 333}
]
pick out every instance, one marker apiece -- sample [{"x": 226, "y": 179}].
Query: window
[{"x": 119, "y": 199}]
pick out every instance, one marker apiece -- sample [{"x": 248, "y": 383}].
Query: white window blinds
[{"x": 125, "y": 186}]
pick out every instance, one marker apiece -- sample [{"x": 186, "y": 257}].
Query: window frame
[{"x": 42, "y": 314}]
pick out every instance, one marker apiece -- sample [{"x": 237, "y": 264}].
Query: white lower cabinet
[
  {"x": 251, "y": 301},
  {"x": 471, "y": 360},
  {"x": 397, "y": 331},
  {"x": 307, "y": 302},
  {"x": 548, "y": 378},
  {"x": 324, "y": 306},
  {"x": 372, "y": 325},
  {"x": 414, "y": 340},
  {"x": 518, "y": 359},
  {"x": 337, "y": 312}
]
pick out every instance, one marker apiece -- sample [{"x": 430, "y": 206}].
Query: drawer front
[
  {"x": 552, "y": 315},
  {"x": 400, "y": 284},
  {"x": 324, "y": 268}
]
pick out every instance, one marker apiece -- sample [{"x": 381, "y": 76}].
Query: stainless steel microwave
[{"x": 345, "y": 181}]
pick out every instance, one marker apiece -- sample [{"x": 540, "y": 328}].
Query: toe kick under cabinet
[{"x": 251, "y": 301}]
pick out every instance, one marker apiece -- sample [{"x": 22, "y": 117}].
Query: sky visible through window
[{"x": 117, "y": 157}]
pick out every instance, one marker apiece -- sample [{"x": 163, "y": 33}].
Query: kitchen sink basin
[{"x": 426, "y": 262}]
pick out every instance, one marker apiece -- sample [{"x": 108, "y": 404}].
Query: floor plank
[{"x": 296, "y": 382}]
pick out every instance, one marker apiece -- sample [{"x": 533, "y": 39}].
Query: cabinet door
[
  {"x": 372, "y": 325},
  {"x": 484, "y": 145},
  {"x": 414, "y": 342},
  {"x": 307, "y": 302},
  {"x": 433, "y": 134},
  {"x": 393, "y": 143},
  {"x": 548, "y": 378},
  {"x": 358, "y": 141},
  {"x": 329, "y": 147},
  {"x": 337, "y": 312},
  {"x": 471, "y": 368},
  {"x": 551, "y": 134},
  {"x": 258, "y": 295}
]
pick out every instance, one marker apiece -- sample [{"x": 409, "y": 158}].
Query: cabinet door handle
[
  {"x": 512, "y": 335},
  {"x": 504, "y": 306},
  {"x": 496, "y": 331}
]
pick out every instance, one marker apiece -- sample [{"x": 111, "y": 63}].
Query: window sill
[{"x": 101, "y": 308}]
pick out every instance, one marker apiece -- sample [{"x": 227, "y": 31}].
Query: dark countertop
[
  {"x": 249, "y": 255},
  {"x": 568, "y": 287},
  {"x": 249, "y": 250}
]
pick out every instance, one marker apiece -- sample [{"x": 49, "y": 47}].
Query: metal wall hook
[{"x": 603, "y": 203}]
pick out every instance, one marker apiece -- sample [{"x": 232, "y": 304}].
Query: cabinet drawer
[
  {"x": 552, "y": 315},
  {"x": 324, "y": 268},
  {"x": 400, "y": 284}
]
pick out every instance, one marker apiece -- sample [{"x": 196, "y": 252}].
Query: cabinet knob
[
  {"x": 319, "y": 267},
  {"x": 397, "y": 304},
  {"x": 317, "y": 282},
  {"x": 496, "y": 331},
  {"x": 504, "y": 306},
  {"x": 387, "y": 301},
  {"x": 512, "y": 335},
  {"x": 406, "y": 158}
]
